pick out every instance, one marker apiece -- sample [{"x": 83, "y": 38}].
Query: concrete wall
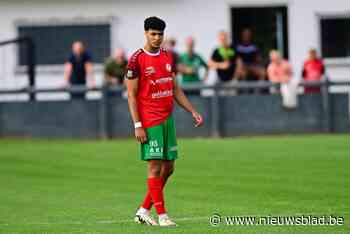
[
  {"x": 340, "y": 113},
  {"x": 76, "y": 119},
  {"x": 260, "y": 115},
  {"x": 239, "y": 115},
  {"x": 200, "y": 18}
]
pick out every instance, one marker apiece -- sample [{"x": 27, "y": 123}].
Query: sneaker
[
  {"x": 143, "y": 217},
  {"x": 166, "y": 222}
]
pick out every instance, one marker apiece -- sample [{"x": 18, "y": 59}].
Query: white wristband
[{"x": 138, "y": 125}]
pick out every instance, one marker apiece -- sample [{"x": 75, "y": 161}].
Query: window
[
  {"x": 335, "y": 37},
  {"x": 53, "y": 42},
  {"x": 269, "y": 25}
]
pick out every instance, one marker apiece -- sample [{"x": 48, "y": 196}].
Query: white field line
[{"x": 183, "y": 219}]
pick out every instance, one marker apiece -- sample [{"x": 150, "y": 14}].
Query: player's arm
[
  {"x": 132, "y": 88},
  {"x": 183, "y": 101}
]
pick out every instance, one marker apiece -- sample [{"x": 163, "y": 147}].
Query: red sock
[
  {"x": 156, "y": 191},
  {"x": 147, "y": 202}
]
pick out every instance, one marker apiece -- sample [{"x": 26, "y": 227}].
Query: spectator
[
  {"x": 313, "y": 70},
  {"x": 279, "y": 69},
  {"x": 225, "y": 60},
  {"x": 170, "y": 45},
  {"x": 114, "y": 69},
  {"x": 251, "y": 57},
  {"x": 79, "y": 69},
  {"x": 189, "y": 64}
]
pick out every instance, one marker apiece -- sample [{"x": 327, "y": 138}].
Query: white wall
[
  {"x": 200, "y": 18},
  {"x": 305, "y": 31}
]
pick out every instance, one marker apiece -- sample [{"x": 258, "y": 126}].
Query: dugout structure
[{"x": 27, "y": 47}]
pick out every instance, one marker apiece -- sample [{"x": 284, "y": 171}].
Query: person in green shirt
[
  {"x": 189, "y": 65},
  {"x": 114, "y": 68}
]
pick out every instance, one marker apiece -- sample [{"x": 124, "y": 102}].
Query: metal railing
[
  {"x": 257, "y": 85},
  {"x": 214, "y": 102},
  {"x": 30, "y": 58}
]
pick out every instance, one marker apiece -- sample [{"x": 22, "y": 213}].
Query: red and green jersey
[{"x": 155, "y": 86}]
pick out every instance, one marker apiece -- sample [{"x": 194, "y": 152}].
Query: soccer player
[{"x": 152, "y": 89}]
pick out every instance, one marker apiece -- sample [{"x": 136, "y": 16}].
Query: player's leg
[
  {"x": 170, "y": 154},
  {"x": 152, "y": 152},
  {"x": 167, "y": 170},
  {"x": 156, "y": 150},
  {"x": 153, "y": 183},
  {"x": 155, "y": 186},
  {"x": 170, "y": 149}
]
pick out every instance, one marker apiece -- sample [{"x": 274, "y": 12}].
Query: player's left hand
[{"x": 197, "y": 118}]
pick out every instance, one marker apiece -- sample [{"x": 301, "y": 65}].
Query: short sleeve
[
  {"x": 108, "y": 66},
  {"x": 203, "y": 63},
  {"x": 216, "y": 56},
  {"x": 70, "y": 59},
  {"x": 87, "y": 58},
  {"x": 133, "y": 67},
  {"x": 182, "y": 58}
]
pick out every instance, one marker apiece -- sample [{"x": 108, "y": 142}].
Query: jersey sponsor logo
[
  {"x": 155, "y": 149},
  {"x": 168, "y": 67},
  {"x": 153, "y": 143},
  {"x": 161, "y": 80},
  {"x": 164, "y": 80},
  {"x": 162, "y": 94},
  {"x": 149, "y": 71}
]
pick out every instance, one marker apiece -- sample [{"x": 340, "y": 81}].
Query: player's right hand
[
  {"x": 140, "y": 135},
  {"x": 197, "y": 118}
]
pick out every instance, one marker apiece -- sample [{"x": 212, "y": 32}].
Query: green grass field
[{"x": 95, "y": 186}]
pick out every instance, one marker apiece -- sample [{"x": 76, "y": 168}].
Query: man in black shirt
[
  {"x": 225, "y": 60},
  {"x": 251, "y": 57},
  {"x": 78, "y": 68}
]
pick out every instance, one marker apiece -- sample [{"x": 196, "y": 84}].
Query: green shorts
[{"x": 161, "y": 142}]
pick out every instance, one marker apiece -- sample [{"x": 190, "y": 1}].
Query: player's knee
[
  {"x": 167, "y": 171},
  {"x": 154, "y": 171},
  {"x": 170, "y": 171}
]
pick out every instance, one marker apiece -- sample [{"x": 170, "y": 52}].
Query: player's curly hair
[{"x": 155, "y": 23}]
